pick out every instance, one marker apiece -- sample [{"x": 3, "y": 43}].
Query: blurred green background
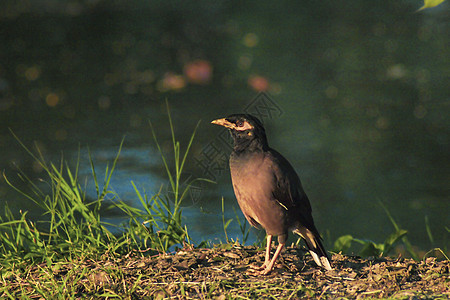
[{"x": 356, "y": 96}]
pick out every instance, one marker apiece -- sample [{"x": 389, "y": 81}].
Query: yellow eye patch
[{"x": 245, "y": 126}]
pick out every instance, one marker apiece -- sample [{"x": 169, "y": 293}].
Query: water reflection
[{"x": 362, "y": 99}]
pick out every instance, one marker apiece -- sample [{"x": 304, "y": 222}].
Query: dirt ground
[{"x": 221, "y": 273}]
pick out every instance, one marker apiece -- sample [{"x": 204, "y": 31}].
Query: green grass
[
  {"x": 399, "y": 236},
  {"x": 72, "y": 225}
]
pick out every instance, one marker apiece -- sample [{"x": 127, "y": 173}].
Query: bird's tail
[{"x": 315, "y": 247}]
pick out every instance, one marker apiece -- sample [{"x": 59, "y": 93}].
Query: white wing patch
[{"x": 281, "y": 204}]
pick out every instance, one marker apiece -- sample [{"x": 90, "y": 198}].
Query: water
[{"x": 357, "y": 102}]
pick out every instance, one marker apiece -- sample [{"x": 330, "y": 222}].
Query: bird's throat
[{"x": 244, "y": 144}]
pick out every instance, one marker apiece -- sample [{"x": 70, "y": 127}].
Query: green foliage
[
  {"x": 225, "y": 224},
  {"x": 243, "y": 226},
  {"x": 343, "y": 243},
  {"x": 430, "y": 3},
  {"x": 379, "y": 249},
  {"x": 427, "y": 226},
  {"x": 71, "y": 224},
  {"x": 159, "y": 224},
  {"x": 371, "y": 248}
]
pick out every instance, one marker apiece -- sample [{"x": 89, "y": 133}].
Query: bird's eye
[{"x": 239, "y": 123}]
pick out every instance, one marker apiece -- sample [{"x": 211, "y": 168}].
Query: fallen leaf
[{"x": 231, "y": 255}]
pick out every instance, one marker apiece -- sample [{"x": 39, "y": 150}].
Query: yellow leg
[
  {"x": 268, "y": 263},
  {"x": 267, "y": 259},
  {"x": 272, "y": 262},
  {"x": 268, "y": 246}
]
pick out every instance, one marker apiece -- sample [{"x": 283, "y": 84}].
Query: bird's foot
[
  {"x": 263, "y": 270},
  {"x": 258, "y": 268},
  {"x": 255, "y": 270}
]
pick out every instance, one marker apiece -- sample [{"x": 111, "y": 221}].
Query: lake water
[{"x": 355, "y": 96}]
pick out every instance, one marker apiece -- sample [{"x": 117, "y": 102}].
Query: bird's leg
[
  {"x": 268, "y": 246},
  {"x": 268, "y": 263},
  {"x": 269, "y": 267},
  {"x": 267, "y": 259}
]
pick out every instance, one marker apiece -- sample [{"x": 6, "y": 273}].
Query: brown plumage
[{"x": 269, "y": 191}]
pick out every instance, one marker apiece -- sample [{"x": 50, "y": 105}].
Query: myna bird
[{"x": 269, "y": 191}]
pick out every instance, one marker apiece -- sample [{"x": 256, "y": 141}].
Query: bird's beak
[{"x": 223, "y": 122}]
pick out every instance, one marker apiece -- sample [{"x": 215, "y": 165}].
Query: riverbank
[{"x": 221, "y": 273}]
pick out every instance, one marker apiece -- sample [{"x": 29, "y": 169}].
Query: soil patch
[{"x": 221, "y": 273}]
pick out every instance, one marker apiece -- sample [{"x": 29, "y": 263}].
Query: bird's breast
[
  {"x": 253, "y": 184},
  {"x": 252, "y": 175}
]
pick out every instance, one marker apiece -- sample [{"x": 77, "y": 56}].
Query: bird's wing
[{"x": 289, "y": 191}]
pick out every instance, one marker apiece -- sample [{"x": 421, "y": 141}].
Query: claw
[
  {"x": 258, "y": 268},
  {"x": 260, "y": 271},
  {"x": 267, "y": 267}
]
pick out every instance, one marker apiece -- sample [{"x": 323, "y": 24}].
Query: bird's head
[{"x": 247, "y": 131}]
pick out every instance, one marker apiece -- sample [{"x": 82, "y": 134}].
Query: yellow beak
[{"x": 223, "y": 122}]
